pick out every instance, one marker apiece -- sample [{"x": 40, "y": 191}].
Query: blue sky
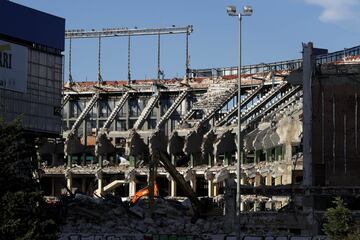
[{"x": 274, "y": 32}]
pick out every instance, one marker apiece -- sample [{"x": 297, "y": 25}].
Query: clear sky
[{"x": 275, "y": 32}]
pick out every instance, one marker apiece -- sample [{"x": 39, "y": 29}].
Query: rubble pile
[{"x": 85, "y": 214}]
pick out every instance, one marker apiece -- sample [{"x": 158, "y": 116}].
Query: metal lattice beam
[{"x": 125, "y": 32}]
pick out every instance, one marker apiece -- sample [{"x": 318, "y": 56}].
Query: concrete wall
[{"x": 335, "y": 135}]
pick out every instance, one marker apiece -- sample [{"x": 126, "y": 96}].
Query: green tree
[
  {"x": 338, "y": 221},
  {"x": 23, "y": 212}
]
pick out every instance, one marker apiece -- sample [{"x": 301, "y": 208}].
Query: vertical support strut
[
  {"x": 99, "y": 61},
  {"x": 129, "y": 60},
  {"x": 70, "y": 49},
  {"x": 187, "y": 57},
  {"x": 158, "y": 58}
]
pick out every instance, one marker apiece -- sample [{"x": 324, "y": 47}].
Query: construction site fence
[{"x": 180, "y": 237}]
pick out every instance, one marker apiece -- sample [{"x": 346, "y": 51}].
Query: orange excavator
[{"x": 143, "y": 192}]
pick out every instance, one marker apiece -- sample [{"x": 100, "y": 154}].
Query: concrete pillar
[
  {"x": 278, "y": 180},
  {"x": 256, "y": 205},
  {"x": 52, "y": 186},
  {"x": 210, "y": 188},
  {"x": 132, "y": 160},
  {"x": 172, "y": 188},
  {"x": 257, "y": 156},
  {"x": 191, "y": 160},
  {"x": 193, "y": 184},
  {"x": 288, "y": 152},
  {"x": 173, "y": 161},
  {"x": 242, "y": 205},
  {"x": 69, "y": 161},
  {"x": 100, "y": 161},
  {"x": 83, "y": 159},
  {"x": 210, "y": 160},
  {"x": 226, "y": 159},
  {"x": 308, "y": 65},
  {"x": 132, "y": 188},
  {"x": 83, "y": 185},
  {"x": 69, "y": 182},
  {"x": 215, "y": 189},
  {"x": 85, "y": 132},
  {"x": 277, "y": 153},
  {"x": 53, "y": 159},
  {"x": 268, "y": 180},
  {"x": 100, "y": 186},
  {"x": 184, "y": 107}
]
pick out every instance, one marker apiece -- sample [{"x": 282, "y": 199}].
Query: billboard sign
[{"x": 13, "y": 66}]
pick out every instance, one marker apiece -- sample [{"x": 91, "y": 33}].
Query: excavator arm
[
  {"x": 143, "y": 192},
  {"x": 180, "y": 181}
]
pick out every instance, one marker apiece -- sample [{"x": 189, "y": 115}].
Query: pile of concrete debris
[{"x": 85, "y": 214}]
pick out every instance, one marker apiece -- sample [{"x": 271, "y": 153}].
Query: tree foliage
[
  {"x": 338, "y": 224},
  {"x": 23, "y": 212}
]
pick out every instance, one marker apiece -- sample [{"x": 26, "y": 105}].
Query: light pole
[{"x": 247, "y": 11}]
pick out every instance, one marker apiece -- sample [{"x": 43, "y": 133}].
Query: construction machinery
[{"x": 142, "y": 193}]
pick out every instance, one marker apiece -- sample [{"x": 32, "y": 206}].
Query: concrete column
[
  {"x": 132, "y": 188},
  {"x": 85, "y": 132},
  {"x": 242, "y": 205},
  {"x": 278, "y": 181},
  {"x": 193, "y": 184},
  {"x": 83, "y": 159},
  {"x": 256, "y": 205},
  {"x": 215, "y": 189},
  {"x": 132, "y": 161},
  {"x": 277, "y": 153},
  {"x": 100, "y": 161},
  {"x": 191, "y": 160},
  {"x": 210, "y": 160},
  {"x": 172, "y": 188},
  {"x": 69, "y": 161},
  {"x": 257, "y": 156},
  {"x": 184, "y": 107},
  {"x": 288, "y": 152},
  {"x": 268, "y": 180},
  {"x": 226, "y": 159},
  {"x": 100, "y": 186},
  {"x": 210, "y": 188},
  {"x": 173, "y": 161},
  {"x": 69, "y": 182},
  {"x": 53, "y": 159},
  {"x": 52, "y": 186},
  {"x": 308, "y": 65},
  {"x": 83, "y": 185}
]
